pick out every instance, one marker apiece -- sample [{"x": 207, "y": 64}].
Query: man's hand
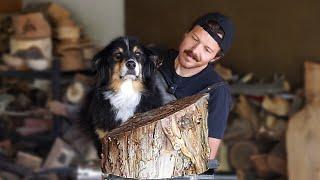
[{"x": 214, "y": 145}]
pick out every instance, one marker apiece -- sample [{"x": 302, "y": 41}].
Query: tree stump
[{"x": 166, "y": 142}]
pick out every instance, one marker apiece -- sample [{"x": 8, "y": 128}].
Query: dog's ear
[
  {"x": 99, "y": 65},
  {"x": 150, "y": 63},
  {"x": 96, "y": 61}
]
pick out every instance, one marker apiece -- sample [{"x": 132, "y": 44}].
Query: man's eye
[{"x": 194, "y": 38}]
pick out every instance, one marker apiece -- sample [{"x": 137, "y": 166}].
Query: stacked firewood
[
  {"x": 42, "y": 32},
  {"x": 74, "y": 48},
  {"x": 27, "y": 141},
  {"x": 254, "y": 142}
]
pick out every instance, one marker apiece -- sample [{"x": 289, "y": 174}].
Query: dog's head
[{"x": 123, "y": 59}]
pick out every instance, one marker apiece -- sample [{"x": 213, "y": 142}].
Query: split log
[
  {"x": 312, "y": 79},
  {"x": 246, "y": 78},
  {"x": 44, "y": 44},
  {"x": 72, "y": 60},
  {"x": 277, "y": 159},
  {"x": 260, "y": 164},
  {"x": 76, "y": 91},
  {"x": 57, "y": 13},
  {"x": 65, "y": 45},
  {"x": 246, "y": 112},
  {"x": 238, "y": 130},
  {"x": 225, "y": 73},
  {"x": 61, "y": 155},
  {"x": 245, "y": 175},
  {"x": 32, "y": 25},
  {"x": 28, "y": 160},
  {"x": 240, "y": 154},
  {"x": 276, "y": 105},
  {"x": 67, "y": 29},
  {"x": 162, "y": 143},
  {"x": 14, "y": 62},
  {"x": 303, "y": 137},
  {"x": 260, "y": 89}
]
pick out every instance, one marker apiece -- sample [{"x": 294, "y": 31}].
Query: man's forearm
[{"x": 214, "y": 145}]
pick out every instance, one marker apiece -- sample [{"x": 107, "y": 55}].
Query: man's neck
[{"x": 184, "y": 72}]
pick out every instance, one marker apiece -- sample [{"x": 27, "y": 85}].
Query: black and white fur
[{"x": 125, "y": 85}]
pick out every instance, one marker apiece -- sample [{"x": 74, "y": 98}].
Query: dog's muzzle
[{"x": 130, "y": 70}]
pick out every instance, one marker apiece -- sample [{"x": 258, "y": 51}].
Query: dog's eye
[
  {"x": 138, "y": 54},
  {"x": 117, "y": 55}
]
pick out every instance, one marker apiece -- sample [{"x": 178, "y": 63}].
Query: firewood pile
[
  {"x": 254, "y": 144},
  {"x": 32, "y": 39},
  {"x": 29, "y": 146}
]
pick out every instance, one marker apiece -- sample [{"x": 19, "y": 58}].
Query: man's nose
[{"x": 195, "y": 48}]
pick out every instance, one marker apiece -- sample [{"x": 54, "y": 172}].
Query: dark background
[{"x": 271, "y": 36}]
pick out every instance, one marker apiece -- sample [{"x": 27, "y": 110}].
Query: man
[{"x": 189, "y": 71}]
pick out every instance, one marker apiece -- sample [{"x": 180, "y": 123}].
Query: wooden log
[
  {"x": 32, "y": 25},
  {"x": 14, "y": 62},
  {"x": 44, "y": 44},
  {"x": 245, "y": 175},
  {"x": 246, "y": 112},
  {"x": 75, "y": 93},
  {"x": 57, "y": 13},
  {"x": 277, "y": 158},
  {"x": 72, "y": 60},
  {"x": 311, "y": 79},
  {"x": 67, "y": 29},
  {"x": 260, "y": 89},
  {"x": 276, "y": 105},
  {"x": 303, "y": 137},
  {"x": 238, "y": 130},
  {"x": 240, "y": 154},
  {"x": 162, "y": 143},
  {"x": 260, "y": 164},
  {"x": 275, "y": 128},
  {"x": 61, "y": 155},
  {"x": 225, "y": 73},
  {"x": 28, "y": 160}
]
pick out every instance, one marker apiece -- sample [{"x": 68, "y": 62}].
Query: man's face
[{"x": 197, "y": 49}]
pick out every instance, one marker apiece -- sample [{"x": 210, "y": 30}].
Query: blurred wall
[
  {"x": 102, "y": 20},
  {"x": 271, "y": 36}
]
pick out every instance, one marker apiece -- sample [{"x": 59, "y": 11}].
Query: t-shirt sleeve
[{"x": 220, "y": 102}]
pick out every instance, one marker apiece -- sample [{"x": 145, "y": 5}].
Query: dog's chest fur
[{"x": 125, "y": 101}]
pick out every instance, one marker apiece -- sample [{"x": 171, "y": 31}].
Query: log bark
[
  {"x": 162, "y": 143},
  {"x": 303, "y": 137}
]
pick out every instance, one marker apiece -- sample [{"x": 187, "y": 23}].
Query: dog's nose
[{"x": 130, "y": 64}]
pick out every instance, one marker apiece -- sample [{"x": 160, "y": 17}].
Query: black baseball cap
[{"x": 226, "y": 25}]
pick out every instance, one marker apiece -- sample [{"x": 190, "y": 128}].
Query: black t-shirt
[{"x": 219, "y": 100}]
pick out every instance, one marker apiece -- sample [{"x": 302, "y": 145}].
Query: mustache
[{"x": 191, "y": 54}]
